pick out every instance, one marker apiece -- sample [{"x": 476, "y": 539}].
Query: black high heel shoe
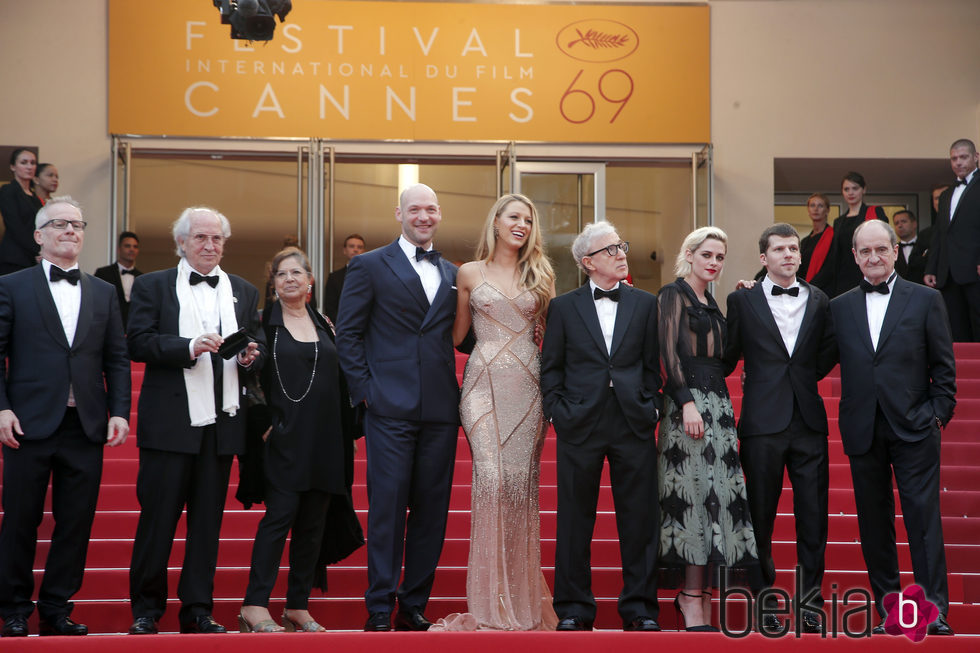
[{"x": 704, "y": 628}]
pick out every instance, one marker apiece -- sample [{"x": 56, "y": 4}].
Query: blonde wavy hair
[
  {"x": 691, "y": 244},
  {"x": 536, "y": 273}
]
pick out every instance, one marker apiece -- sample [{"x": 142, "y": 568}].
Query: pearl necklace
[{"x": 275, "y": 361}]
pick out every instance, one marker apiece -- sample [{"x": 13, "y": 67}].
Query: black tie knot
[
  {"x": 131, "y": 272},
  {"x": 613, "y": 294},
  {"x": 911, "y": 244},
  {"x": 867, "y": 286},
  {"x": 959, "y": 182},
  {"x": 432, "y": 255},
  {"x": 779, "y": 290},
  {"x": 71, "y": 276},
  {"x": 211, "y": 279}
]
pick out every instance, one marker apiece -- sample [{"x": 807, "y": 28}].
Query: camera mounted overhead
[{"x": 253, "y": 20}]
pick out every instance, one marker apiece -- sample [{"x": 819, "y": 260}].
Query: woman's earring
[
  {"x": 496, "y": 233},
  {"x": 309, "y": 288}
]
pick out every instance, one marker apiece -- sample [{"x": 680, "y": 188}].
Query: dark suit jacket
[
  {"x": 955, "y": 249},
  {"x": 41, "y": 364},
  {"x": 773, "y": 376},
  {"x": 576, "y": 369},
  {"x": 164, "y": 420},
  {"x": 17, "y": 248},
  {"x": 395, "y": 349},
  {"x": 331, "y": 293},
  {"x": 915, "y": 269},
  {"x": 110, "y": 273},
  {"x": 911, "y": 376}
]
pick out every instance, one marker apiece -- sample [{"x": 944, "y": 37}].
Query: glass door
[{"x": 568, "y": 196}]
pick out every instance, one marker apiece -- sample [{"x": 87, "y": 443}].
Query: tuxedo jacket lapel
[
  {"x": 442, "y": 293},
  {"x": 49, "y": 312},
  {"x": 901, "y": 293},
  {"x": 585, "y": 305},
  {"x": 809, "y": 315},
  {"x": 84, "y": 312},
  {"x": 396, "y": 260},
  {"x": 859, "y": 314},
  {"x": 624, "y": 314},
  {"x": 759, "y": 304}
]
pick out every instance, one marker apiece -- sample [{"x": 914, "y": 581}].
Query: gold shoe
[
  {"x": 264, "y": 626},
  {"x": 310, "y": 626}
]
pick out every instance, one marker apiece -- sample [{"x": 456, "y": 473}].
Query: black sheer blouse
[{"x": 689, "y": 330}]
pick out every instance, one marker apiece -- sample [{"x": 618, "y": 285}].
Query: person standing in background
[
  {"x": 45, "y": 181},
  {"x": 19, "y": 206},
  {"x": 847, "y": 274},
  {"x": 353, "y": 246},
  {"x": 123, "y": 272},
  {"x": 912, "y": 247},
  {"x": 816, "y": 248}
]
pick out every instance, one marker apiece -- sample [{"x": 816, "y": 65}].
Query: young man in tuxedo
[
  {"x": 912, "y": 247},
  {"x": 123, "y": 272},
  {"x": 600, "y": 387},
  {"x": 353, "y": 246},
  {"x": 898, "y": 389},
  {"x": 783, "y": 330},
  {"x": 191, "y": 415},
  {"x": 394, "y": 342},
  {"x": 65, "y": 394},
  {"x": 953, "y": 265}
]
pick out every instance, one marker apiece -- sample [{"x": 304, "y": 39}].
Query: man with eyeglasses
[
  {"x": 191, "y": 415},
  {"x": 600, "y": 386},
  {"x": 65, "y": 394}
]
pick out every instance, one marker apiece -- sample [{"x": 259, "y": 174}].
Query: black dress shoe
[
  {"x": 879, "y": 629},
  {"x": 770, "y": 624},
  {"x": 203, "y": 624},
  {"x": 378, "y": 622},
  {"x": 810, "y": 622},
  {"x": 642, "y": 623},
  {"x": 62, "y": 626},
  {"x": 14, "y": 626},
  {"x": 939, "y": 627},
  {"x": 411, "y": 620},
  {"x": 574, "y": 623},
  {"x": 143, "y": 626}
]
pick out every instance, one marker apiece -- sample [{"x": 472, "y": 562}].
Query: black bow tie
[
  {"x": 57, "y": 274},
  {"x": 882, "y": 287},
  {"x": 211, "y": 280},
  {"x": 909, "y": 244},
  {"x": 433, "y": 255},
  {"x": 613, "y": 294},
  {"x": 779, "y": 290},
  {"x": 959, "y": 182},
  {"x": 130, "y": 272}
]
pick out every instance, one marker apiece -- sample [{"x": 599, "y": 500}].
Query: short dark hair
[
  {"x": 17, "y": 151},
  {"x": 910, "y": 213},
  {"x": 964, "y": 142},
  {"x": 856, "y": 177},
  {"x": 780, "y": 229},
  {"x": 127, "y": 234},
  {"x": 358, "y": 236}
]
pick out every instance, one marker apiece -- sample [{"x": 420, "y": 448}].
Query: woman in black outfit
[
  {"x": 304, "y": 451},
  {"x": 847, "y": 271},
  {"x": 19, "y": 206},
  {"x": 817, "y": 265}
]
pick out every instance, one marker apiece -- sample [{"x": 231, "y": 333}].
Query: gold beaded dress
[{"x": 500, "y": 410}]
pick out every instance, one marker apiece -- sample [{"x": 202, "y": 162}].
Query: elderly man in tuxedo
[
  {"x": 123, "y": 272},
  {"x": 783, "y": 329},
  {"x": 65, "y": 394},
  {"x": 953, "y": 265},
  {"x": 394, "y": 342},
  {"x": 898, "y": 387},
  {"x": 191, "y": 415},
  {"x": 600, "y": 386}
]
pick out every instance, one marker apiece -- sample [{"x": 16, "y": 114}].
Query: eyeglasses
[
  {"x": 611, "y": 249},
  {"x": 61, "y": 225}
]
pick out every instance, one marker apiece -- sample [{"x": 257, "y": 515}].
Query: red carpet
[{"x": 103, "y": 601}]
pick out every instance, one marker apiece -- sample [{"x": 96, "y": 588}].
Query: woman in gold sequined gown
[{"x": 503, "y": 294}]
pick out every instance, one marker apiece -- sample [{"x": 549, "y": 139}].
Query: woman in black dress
[
  {"x": 304, "y": 450},
  {"x": 846, "y": 269},
  {"x": 817, "y": 265},
  {"x": 705, "y": 521},
  {"x": 19, "y": 206}
]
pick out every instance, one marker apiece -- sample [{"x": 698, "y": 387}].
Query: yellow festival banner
[{"x": 415, "y": 71}]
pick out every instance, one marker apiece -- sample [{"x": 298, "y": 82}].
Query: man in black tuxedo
[
  {"x": 123, "y": 272},
  {"x": 394, "y": 342},
  {"x": 783, "y": 329},
  {"x": 953, "y": 265},
  {"x": 912, "y": 247},
  {"x": 898, "y": 387},
  {"x": 353, "y": 246},
  {"x": 65, "y": 394},
  {"x": 600, "y": 386},
  {"x": 191, "y": 415}
]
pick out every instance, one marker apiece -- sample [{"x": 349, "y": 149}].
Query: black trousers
[
  {"x": 916, "y": 468},
  {"x": 73, "y": 464},
  {"x": 166, "y": 483},
  {"x": 963, "y": 307},
  {"x": 304, "y": 513},
  {"x": 633, "y": 476},
  {"x": 802, "y": 453}
]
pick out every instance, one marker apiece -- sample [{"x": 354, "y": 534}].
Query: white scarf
[{"x": 199, "y": 379}]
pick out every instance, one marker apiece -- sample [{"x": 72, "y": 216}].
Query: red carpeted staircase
[{"x": 103, "y": 601}]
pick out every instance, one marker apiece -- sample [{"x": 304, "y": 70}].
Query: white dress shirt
[
  {"x": 787, "y": 311},
  {"x": 428, "y": 271},
  {"x": 127, "y": 280},
  {"x": 68, "y": 301},
  {"x": 904, "y": 248},
  {"x": 954, "y": 201},
  {"x": 877, "y": 305},
  {"x": 206, "y": 301},
  {"x": 605, "y": 308}
]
